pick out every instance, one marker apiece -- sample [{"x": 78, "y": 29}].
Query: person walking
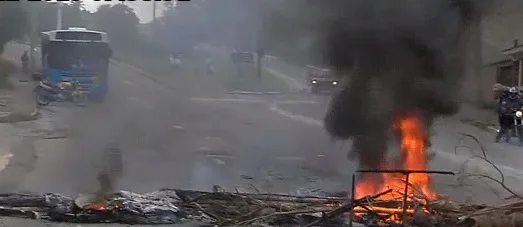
[{"x": 25, "y": 62}]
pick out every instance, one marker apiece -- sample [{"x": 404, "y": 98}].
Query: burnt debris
[
  {"x": 172, "y": 206},
  {"x": 167, "y": 206},
  {"x": 122, "y": 207}
]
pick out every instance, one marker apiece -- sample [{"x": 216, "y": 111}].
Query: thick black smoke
[{"x": 399, "y": 57}]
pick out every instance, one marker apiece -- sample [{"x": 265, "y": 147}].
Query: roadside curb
[
  {"x": 482, "y": 126},
  {"x": 292, "y": 83},
  {"x": 492, "y": 129},
  {"x": 255, "y": 92},
  {"x": 276, "y": 107}
]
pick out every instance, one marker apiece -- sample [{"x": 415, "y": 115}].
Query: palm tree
[{"x": 78, "y": 4}]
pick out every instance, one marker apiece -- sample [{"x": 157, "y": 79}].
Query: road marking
[
  {"x": 205, "y": 149},
  {"x": 289, "y": 158},
  {"x": 219, "y": 161},
  {"x": 279, "y": 158},
  {"x": 177, "y": 127},
  {"x": 274, "y": 107},
  {"x": 219, "y": 156},
  {"x": 513, "y": 172},
  {"x": 128, "y": 82},
  {"x": 226, "y": 100},
  {"x": 306, "y": 120},
  {"x": 291, "y": 82},
  {"x": 494, "y": 129},
  {"x": 254, "y": 92},
  {"x": 296, "y": 102}
]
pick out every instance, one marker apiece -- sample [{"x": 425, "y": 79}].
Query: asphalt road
[
  {"x": 453, "y": 147},
  {"x": 189, "y": 134}
]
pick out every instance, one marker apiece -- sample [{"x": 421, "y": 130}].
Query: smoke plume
[{"x": 399, "y": 57}]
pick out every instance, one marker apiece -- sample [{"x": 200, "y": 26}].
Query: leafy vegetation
[
  {"x": 9, "y": 30},
  {"x": 119, "y": 21},
  {"x": 6, "y": 68},
  {"x": 239, "y": 24},
  {"x": 10, "y": 12},
  {"x": 15, "y": 117}
]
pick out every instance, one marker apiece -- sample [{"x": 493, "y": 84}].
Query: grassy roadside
[
  {"x": 8, "y": 111},
  {"x": 6, "y": 69},
  {"x": 228, "y": 75}
]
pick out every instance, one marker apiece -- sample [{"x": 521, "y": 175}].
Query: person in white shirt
[{"x": 209, "y": 66}]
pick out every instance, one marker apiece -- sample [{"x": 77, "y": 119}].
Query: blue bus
[{"x": 77, "y": 54}]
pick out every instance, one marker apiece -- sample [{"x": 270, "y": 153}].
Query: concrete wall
[
  {"x": 499, "y": 27},
  {"x": 488, "y": 77},
  {"x": 470, "y": 47}
]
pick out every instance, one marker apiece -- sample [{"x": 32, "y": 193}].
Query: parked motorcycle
[
  {"x": 65, "y": 91},
  {"x": 517, "y": 127}
]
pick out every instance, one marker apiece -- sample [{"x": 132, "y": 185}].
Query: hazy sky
[{"x": 144, "y": 10}]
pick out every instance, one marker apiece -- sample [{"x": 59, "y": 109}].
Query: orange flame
[
  {"x": 97, "y": 206},
  {"x": 414, "y": 138}
]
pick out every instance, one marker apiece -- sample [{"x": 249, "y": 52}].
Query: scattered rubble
[
  {"x": 170, "y": 206},
  {"x": 13, "y": 117},
  {"x": 405, "y": 206}
]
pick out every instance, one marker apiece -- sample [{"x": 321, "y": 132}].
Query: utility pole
[
  {"x": 153, "y": 27},
  {"x": 33, "y": 36},
  {"x": 477, "y": 33},
  {"x": 260, "y": 52},
  {"x": 59, "y": 16},
  {"x": 154, "y": 11}
]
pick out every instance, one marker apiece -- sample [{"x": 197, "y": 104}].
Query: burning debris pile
[{"x": 169, "y": 206}]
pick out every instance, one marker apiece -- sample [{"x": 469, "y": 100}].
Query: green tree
[
  {"x": 78, "y": 5},
  {"x": 72, "y": 15},
  {"x": 119, "y": 21},
  {"x": 46, "y": 16},
  {"x": 182, "y": 33},
  {"x": 235, "y": 23},
  {"x": 188, "y": 23},
  {"x": 168, "y": 5},
  {"x": 13, "y": 22}
]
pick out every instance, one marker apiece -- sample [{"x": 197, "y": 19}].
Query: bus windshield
[{"x": 78, "y": 56}]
